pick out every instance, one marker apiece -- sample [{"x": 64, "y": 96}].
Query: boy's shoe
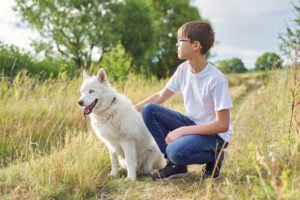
[
  {"x": 207, "y": 170},
  {"x": 170, "y": 171}
]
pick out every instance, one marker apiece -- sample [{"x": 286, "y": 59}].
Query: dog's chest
[
  {"x": 107, "y": 131},
  {"x": 111, "y": 137}
]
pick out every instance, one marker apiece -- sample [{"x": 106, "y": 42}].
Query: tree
[
  {"x": 73, "y": 27},
  {"x": 133, "y": 25},
  {"x": 292, "y": 36},
  {"x": 169, "y": 15},
  {"x": 79, "y": 28},
  {"x": 268, "y": 61},
  {"x": 234, "y": 65}
]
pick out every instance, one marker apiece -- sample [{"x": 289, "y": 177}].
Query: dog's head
[{"x": 96, "y": 93}]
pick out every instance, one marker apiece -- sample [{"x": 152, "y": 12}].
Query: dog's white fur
[{"x": 120, "y": 126}]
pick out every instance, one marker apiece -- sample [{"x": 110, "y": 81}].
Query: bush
[
  {"x": 117, "y": 63},
  {"x": 268, "y": 61},
  {"x": 234, "y": 65},
  {"x": 14, "y": 60}
]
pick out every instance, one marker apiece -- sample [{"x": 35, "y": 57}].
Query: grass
[{"x": 47, "y": 151}]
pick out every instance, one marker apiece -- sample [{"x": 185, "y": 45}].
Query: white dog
[{"x": 120, "y": 126}]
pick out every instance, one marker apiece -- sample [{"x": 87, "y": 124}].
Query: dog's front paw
[
  {"x": 113, "y": 173},
  {"x": 132, "y": 178}
]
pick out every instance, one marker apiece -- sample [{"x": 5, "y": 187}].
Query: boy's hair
[{"x": 198, "y": 31}]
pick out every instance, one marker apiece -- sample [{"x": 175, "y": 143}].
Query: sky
[
  {"x": 243, "y": 28},
  {"x": 246, "y": 28}
]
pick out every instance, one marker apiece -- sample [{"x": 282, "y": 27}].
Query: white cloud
[
  {"x": 18, "y": 36},
  {"x": 11, "y": 33},
  {"x": 248, "y": 56},
  {"x": 237, "y": 50},
  {"x": 6, "y": 12}
]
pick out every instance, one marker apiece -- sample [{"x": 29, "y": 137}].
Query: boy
[{"x": 199, "y": 137}]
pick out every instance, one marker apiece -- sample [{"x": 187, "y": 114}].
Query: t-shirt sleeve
[
  {"x": 174, "y": 83},
  {"x": 221, "y": 96}
]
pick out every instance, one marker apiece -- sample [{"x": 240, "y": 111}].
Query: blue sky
[{"x": 244, "y": 28}]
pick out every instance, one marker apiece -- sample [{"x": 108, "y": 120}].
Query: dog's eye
[{"x": 91, "y": 91}]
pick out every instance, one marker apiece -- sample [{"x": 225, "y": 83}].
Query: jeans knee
[
  {"x": 147, "y": 110},
  {"x": 175, "y": 155}
]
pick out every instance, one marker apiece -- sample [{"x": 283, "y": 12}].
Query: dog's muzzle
[
  {"x": 87, "y": 109},
  {"x": 80, "y": 102}
]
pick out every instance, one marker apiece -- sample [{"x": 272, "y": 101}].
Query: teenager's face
[{"x": 184, "y": 47}]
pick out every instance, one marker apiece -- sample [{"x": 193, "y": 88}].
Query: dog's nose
[{"x": 80, "y": 102}]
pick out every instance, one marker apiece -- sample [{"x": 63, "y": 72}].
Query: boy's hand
[
  {"x": 138, "y": 108},
  {"x": 173, "y": 135}
]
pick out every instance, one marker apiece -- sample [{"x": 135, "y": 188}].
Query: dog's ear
[
  {"x": 101, "y": 76},
  {"x": 85, "y": 75}
]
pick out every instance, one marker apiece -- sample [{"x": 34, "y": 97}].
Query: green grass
[{"x": 47, "y": 151}]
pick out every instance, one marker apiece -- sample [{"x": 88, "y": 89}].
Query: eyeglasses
[{"x": 178, "y": 40}]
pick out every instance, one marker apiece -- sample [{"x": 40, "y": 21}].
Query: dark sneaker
[
  {"x": 170, "y": 171},
  {"x": 208, "y": 169}
]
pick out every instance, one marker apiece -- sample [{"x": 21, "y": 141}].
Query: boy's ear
[
  {"x": 197, "y": 46},
  {"x": 101, "y": 76},
  {"x": 85, "y": 75}
]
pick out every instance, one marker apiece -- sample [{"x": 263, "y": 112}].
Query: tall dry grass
[{"x": 49, "y": 152}]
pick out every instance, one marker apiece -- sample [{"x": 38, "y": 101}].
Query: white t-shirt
[{"x": 203, "y": 93}]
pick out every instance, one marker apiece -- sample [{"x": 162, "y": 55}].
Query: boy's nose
[{"x": 80, "y": 102}]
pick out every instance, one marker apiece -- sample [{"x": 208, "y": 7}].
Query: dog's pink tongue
[
  {"x": 84, "y": 115},
  {"x": 86, "y": 110}
]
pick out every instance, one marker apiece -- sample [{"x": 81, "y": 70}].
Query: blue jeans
[{"x": 186, "y": 150}]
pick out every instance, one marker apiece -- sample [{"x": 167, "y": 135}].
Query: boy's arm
[
  {"x": 219, "y": 126},
  {"x": 158, "y": 98}
]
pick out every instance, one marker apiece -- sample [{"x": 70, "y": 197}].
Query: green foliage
[
  {"x": 78, "y": 28},
  {"x": 75, "y": 27},
  {"x": 234, "y": 65},
  {"x": 268, "y": 61},
  {"x": 133, "y": 25},
  {"x": 291, "y": 38},
  {"x": 117, "y": 64},
  {"x": 13, "y": 60},
  {"x": 169, "y": 15}
]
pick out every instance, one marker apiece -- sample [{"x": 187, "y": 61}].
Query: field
[{"x": 47, "y": 151}]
